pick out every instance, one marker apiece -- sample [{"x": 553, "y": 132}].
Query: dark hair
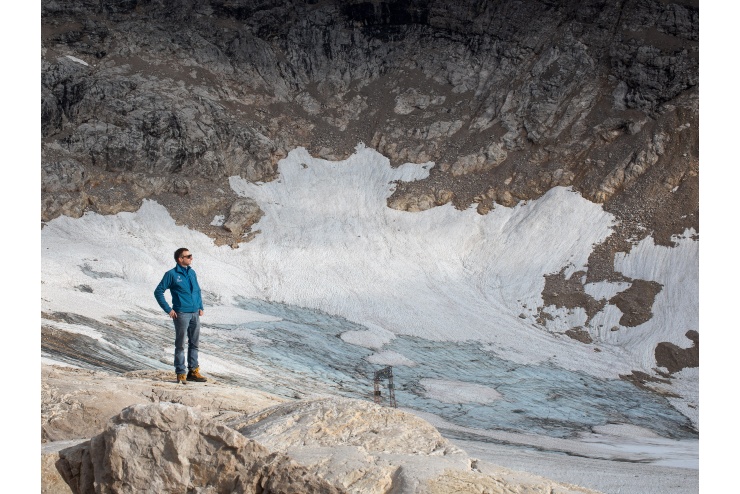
[{"x": 179, "y": 252}]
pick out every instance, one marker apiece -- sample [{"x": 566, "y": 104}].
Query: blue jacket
[{"x": 183, "y": 286}]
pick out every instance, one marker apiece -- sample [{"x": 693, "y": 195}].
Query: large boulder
[
  {"x": 168, "y": 447},
  {"x": 243, "y": 214},
  {"x": 371, "y": 449}
]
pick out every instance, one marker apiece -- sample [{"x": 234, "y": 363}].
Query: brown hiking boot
[
  {"x": 181, "y": 379},
  {"x": 194, "y": 375}
]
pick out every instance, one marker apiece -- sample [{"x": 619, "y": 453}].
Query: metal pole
[{"x": 391, "y": 391}]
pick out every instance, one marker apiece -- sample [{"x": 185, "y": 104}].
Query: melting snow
[
  {"x": 394, "y": 359},
  {"x": 75, "y": 59},
  {"x": 458, "y": 391}
]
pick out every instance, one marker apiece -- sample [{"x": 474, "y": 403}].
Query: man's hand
[
  {"x": 200, "y": 312},
  {"x": 173, "y": 314}
]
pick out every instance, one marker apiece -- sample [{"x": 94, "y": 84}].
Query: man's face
[{"x": 186, "y": 258}]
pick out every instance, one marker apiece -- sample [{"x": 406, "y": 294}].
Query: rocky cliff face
[{"x": 167, "y": 99}]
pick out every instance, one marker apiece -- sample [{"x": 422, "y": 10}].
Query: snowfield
[{"x": 336, "y": 285}]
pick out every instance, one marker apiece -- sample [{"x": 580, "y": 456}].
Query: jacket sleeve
[{"x": 159, "y": 293}]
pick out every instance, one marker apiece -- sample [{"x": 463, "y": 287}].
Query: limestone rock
[
  {"x": 632, "y": 167},
  {"x": 484, "y": 479},
  {"x": 356, "y": 444},
  {"x": 412, "y": 100},
  {"x": 580, "y": 334},
  {"x": 62, "y": 184},
  {"x": 52, "y": 481},
  {"x": 63, "y": 176},
  {"x": 370, "y": 449},
  {"x": 168, "y": 447},
  {"x": 486, "y": 159},
  {"x": 77, "y": 403},
  {"x": 346, "y": 422},
  {"x": 412, "y": 202},
  {"x": 243, "y": 214}
]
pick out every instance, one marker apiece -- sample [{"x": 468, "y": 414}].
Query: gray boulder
[
  {"x": 168, "y": 447},
  {"x": 243, "y": 214}
]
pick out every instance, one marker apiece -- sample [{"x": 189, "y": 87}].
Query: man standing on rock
[{"x": 187, "y": 307}]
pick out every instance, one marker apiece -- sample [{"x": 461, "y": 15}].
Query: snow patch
[
  {"x": 374, "y": 338},
  {"x": 76, "y": 329},
  {"x": 416, "y": 274},
  {"x": 458, "y": 391},
  {"x": 218, "y": 365},
  {"x": 47, "y": 360},
  {"x": 564, "y": 318},
  {"x": 605, "y": 290},
  {"x": 392, "y": 358},
  {"x": 676, "y": 306},
  {"x": 75, "y": 59}
]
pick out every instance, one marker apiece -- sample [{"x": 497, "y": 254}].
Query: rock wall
[{"x": 167, "y": 99}]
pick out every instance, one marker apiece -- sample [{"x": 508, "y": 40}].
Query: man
[{"x": 187, "y": 307}]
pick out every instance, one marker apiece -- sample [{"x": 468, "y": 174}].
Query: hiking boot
[
  {"x": 194, "y": 375},
  {"x": 181, "y": 379}
]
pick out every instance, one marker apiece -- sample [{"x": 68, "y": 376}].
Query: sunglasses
[{"x": 189, "y": 256}]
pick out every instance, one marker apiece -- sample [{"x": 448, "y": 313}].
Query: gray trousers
[{"x": 186, "y": 323}]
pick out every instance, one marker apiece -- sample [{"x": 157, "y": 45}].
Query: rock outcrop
[
  {"x": 77, "y": 403},
  {"x": 366, "y": 448},
  {"x": 243, "y": 214},
  {"x": 168, "y": 447}
]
